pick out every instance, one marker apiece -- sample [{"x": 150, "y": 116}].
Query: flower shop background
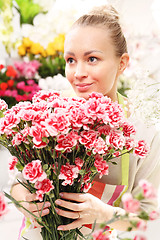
[{"x": 32, "y": 43}]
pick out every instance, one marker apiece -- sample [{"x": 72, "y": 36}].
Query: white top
[{"x": 146, "y": 168}]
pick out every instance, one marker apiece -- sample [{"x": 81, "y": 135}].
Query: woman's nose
[{"x": 80, "y": 71}]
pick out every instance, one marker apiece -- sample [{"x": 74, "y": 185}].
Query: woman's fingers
[
  {"x": 70, "y": 205},
  {"x": 41, "y": 213},
  {"x": 67, "y": 214},
  {"x": 77, "y": 223},
  {"x": 31, "y": 197},
  {"x": 34, "y": 207},
  {"x": 78, "y": 197}
]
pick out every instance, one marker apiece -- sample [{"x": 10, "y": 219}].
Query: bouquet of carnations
[{"x": 59, "y": 144}]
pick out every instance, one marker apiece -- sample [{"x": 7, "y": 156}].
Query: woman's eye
[
  {"x": 92, "y": 59},
  {"x": 70, "y": 60}
]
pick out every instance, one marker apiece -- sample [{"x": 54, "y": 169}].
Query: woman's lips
[{"x": 83, "y": 87}]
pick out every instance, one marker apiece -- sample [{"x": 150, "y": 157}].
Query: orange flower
[
  {"x": 1, "y": 66},
  {"x": 11, "y": 72},
  {"x": 3, "y": 86},
  {"x": 10, "y": 83}
]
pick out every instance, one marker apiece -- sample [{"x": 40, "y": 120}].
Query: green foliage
[
  {"x": 28, "y": 10},
  {"x": 1, "y": 4},
  {"x": 51, "y": 67},
  {"x": 143, "y": 215}
]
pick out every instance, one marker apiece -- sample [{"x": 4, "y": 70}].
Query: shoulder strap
[{"x": 124, "y": 158}]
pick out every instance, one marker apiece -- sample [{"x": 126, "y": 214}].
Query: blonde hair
[{"x": 107, "y": 18}]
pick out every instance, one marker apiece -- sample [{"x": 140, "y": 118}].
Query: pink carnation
[
  {"x": 87, "y": 138},
  {"x": 3, "y": 105},
  {"x": 78, "y": 117},
  {"x": 33, "y": 171},
  {"x": 94, "y": 109},
  {"x": 141, "y": 225},
  {"x": 86, "y": 187},
  {"x": 130, "y": 144},
  {"x": 148, "y": 189},
  {"x": 141, "y": 149},
  {"x": 116, "y": 139},
  {"x": 86, "y": 177},
  {"x": 101, "y": 165},
  {"x": 45, "y": 95},
  {"x": 68, "y": 173},
  {"x": 130, "y": 204},
  {"x": 9, "y": 122},
  {"x": 101, "y": 235},
  {"x": 128, "y": 129},
  {"x": 79, "y": 162},
  {"x": 38, "y": 133},
  {"x": 140, "y": 237},
  {"x": 114, "y": 113},
  {"x": 3, "y": 205},
  {"x": 66, "y": 142},
  {"x": 18, "y": 139},
  {"x": 154, "y": 215},
  {"x": 95, "y": 95},
  {"x": 99, "y": 146},
  {"x": 13, "y": 162},
  {"x": 43, "y": 187},
  {"x": 57, "y": 123}
]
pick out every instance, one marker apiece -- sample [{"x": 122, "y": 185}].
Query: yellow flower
[
  {"x": 59, "y": 43},
  {"x": 36, "y": 48},
  {"x": 21, "y": 50},
  {"x": 27, "y": 42},
  {"x": 50, "y": 50},
  {"x": 56, "y": 46}
]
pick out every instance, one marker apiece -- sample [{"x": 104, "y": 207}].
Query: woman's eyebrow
[
  {"x": 85, "y": 54},
  {"x": 70, "y": 53},
  {"x": 91, "y": 51}
]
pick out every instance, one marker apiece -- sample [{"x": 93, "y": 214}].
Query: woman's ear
[{"x": 124, "y": 60}]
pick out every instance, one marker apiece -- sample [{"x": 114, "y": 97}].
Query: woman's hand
[
  {"x": 86, "y": 210},
  {"x": 39, "y": 209},
  {"x": 20, "y": 193}
]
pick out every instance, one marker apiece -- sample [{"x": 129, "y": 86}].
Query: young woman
[{"x": 95, "y": 52}]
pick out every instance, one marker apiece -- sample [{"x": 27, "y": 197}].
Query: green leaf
[
  {"x": 81, "y": 172},
  {"x": 79, "y": 233},
  {"x": 1, "y": 114},
  {"x": 114, "y": 163},
  {"x": 129, "y": 229},
  {"x": 93, "y": 169},
  {"x": 45, "y": 166},
  {"x": 19, "y": 166},
  {"x": 45, "y": 139},
  {"x": 140, "y": 196},
  {"x": 143, "y": 215},
  {"x": 28, "y": 10},
  {"x": 134, "y": 223}
]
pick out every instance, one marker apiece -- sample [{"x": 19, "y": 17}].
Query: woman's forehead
[{"x": 87, "y": 38}]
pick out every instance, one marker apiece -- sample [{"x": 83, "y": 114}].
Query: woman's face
[{"x": 91, "y": 63}]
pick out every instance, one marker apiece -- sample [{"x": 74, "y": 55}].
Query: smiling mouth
[{"x": 82, "y": 87}]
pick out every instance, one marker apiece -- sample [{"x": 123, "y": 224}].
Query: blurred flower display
[{"x": 18, "y": 82}]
